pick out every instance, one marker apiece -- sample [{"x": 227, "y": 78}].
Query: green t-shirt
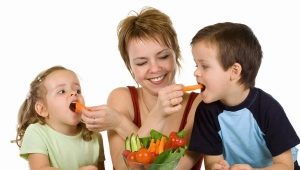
[{"x": 64, "y": 152}]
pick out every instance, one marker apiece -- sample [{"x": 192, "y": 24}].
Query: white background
[{"x": 81, "y": 35}]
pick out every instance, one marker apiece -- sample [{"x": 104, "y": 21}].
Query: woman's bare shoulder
[
  {"x": 119, "y": 92},
  {"x": 120, "y": 99}
]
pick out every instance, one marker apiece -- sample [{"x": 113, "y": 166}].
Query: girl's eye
[
  {"x": 78, "y": 91},
  {"x": 61, "y": 91}
]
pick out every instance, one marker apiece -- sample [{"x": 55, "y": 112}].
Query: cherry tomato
[
  {"x": 125, "y": 153},
  {"x": 131, "y": 156},
  {"x": 143, "y": 156},
  {"x": 175, "y": 141}
]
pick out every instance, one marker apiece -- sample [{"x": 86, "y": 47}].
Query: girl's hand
[
  {"x": 221, "y": 165},
  {"x": 100, "y": 118},
  {"x": 169, "y": 99},
  {"x": 89, "y": 167}
]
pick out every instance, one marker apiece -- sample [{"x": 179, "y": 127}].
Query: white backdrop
[{"x": 81, "y": 35}]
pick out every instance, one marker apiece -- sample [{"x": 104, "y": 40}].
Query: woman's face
[{"x": 153, "y": 64}]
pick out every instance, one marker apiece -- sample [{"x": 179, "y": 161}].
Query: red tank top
[{"x": 137, "y": 116}]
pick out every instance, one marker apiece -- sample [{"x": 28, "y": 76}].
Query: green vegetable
[{"x": 155, "y": 134}]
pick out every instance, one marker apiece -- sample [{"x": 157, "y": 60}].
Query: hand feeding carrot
[
  {"x": 77, "y": 107},
  {"x": 192, "y": 87}
]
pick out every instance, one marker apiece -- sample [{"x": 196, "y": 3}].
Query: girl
[{"x": 50, "y": 135}]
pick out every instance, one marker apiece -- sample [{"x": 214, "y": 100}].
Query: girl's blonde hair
[{"x": 27, "y": 114}]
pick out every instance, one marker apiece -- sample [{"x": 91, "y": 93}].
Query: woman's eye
[
  {"x": 78, "y": 91},
  {"x": 164, "y": 56},
  {"x": 140, "y": 64}
]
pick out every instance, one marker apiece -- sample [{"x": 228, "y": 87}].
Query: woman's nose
[{"x": 155, "y": 67}]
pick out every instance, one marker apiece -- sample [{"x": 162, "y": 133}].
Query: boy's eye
[{"x": 204, "y": 66}]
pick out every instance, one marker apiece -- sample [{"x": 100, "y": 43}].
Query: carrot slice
[
  {"x": 157, "y": 146},
  {"x": 152, "y": 146},
  {"x": 161, "y": 145},
  {"x": 76, "y": 107},
  {"x": 192, "y": 87},
  {"x": 79, "y": 107}
]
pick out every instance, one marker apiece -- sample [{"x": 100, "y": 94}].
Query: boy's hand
[
  {"x": 89, "y": 167},
  {"x": 221, "y": 165},
  {"x": 241, "y": 167}
]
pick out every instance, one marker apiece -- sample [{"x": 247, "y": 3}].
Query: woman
[{"x": 149, "y": 47}]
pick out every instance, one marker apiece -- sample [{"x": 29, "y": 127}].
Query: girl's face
[
  {"x": 209, "y": 72},
  {"x": 62, "y": 88},
  {"x": 153, "y": 64}
]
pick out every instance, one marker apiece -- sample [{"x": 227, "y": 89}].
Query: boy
[{"x": 237, "y": 126}]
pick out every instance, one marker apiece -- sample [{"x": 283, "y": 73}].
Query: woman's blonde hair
[{"x": 150, "y": 23}]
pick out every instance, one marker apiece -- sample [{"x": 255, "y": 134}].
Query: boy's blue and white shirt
[{"x": 252, "y": 132}]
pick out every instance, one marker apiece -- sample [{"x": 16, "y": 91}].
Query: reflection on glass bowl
[{"x": 139, "y": 166}]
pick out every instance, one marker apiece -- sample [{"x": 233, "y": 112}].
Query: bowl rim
[{"x": 153, "y": 163}]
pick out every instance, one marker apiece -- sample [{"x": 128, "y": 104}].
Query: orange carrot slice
[
  {"x": 76, "y": 107},
  {"x": 152, "y": 146},
  {"x": 157, "y": 146},
  {"x": 162, "y": 144},
  {"x": 192, "y": 87}
]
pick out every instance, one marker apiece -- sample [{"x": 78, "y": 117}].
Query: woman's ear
[
  {"x": 41, "y": 109},
  {"x": 236, "y": 70}
]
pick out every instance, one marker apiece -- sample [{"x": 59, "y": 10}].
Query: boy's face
[{"x": 209, "y": 72}]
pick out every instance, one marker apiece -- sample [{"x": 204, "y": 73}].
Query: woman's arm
[
  {"x": 190, "y": 158},
  {"x": 120, "y": 99}
]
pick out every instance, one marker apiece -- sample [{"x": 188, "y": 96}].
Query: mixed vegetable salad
[{"x": 154, "y": 149}]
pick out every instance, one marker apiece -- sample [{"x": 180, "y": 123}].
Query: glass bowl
[{"x": 139, "y": 166}]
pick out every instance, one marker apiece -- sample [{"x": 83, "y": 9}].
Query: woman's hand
[
  {"x": 100, "y": 118},
  {"x": 169, "y": 99}
]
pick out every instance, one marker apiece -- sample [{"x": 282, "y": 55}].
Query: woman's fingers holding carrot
[{"x": 192, "y": 87}]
